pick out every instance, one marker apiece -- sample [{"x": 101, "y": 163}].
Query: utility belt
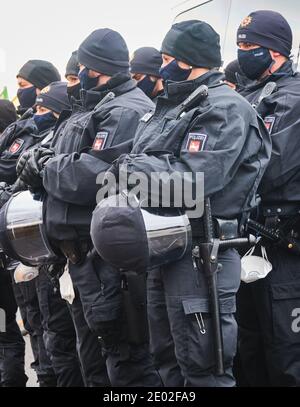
[
  {"x": 284, "y": 211},
  {"x": 280, "y": 226},
  {"x": 284, "y": 217},
  {"x": 223, "y": 229},
  {"x": 76, "y": 250}
]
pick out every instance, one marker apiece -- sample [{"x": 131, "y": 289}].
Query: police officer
[
  {"x": 223, "y": 137},
  {"x": 8, "y": 114},
  {"x": 234, "y": 75},
  {"x": 89, "y": 349},
  {"x": 34, "y": 76},
  {"x": 99, "y": 131},
  {"x": 59, "y": 332},
  {"x": 12, "y": 345},
  {"x": 59, "y": 324},
  {"x": 19, "y": 137},
  {"x": 71, "y": 75},
  {"x": 267, "y": 309},
  {"x": 144, "y": 68}
]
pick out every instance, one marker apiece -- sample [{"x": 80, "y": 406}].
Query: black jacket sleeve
[{"x": 73, "y": 178}]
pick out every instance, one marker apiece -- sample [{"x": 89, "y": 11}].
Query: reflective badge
[
  {"x": 100, "y": 140},
  {"x": 246, "y": 21},
  {"x": 147, "y": 117},
  {"x": 269, "y": 123},
  {"x": 16, "y": 146},
  {"x": 196, "y": 142}
]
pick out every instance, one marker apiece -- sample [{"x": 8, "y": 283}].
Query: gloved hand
[
  {"x": 5, "y": 193},
  {"x": 30, "y": 165}
]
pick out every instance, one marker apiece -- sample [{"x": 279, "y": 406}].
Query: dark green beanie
[{"x": 195, "y": 43}]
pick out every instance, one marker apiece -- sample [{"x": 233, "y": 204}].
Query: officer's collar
[
  {"x": 118, "y": 84},
  {"x": 180, "y": 89},
  {"x": 286, "y": 70}
]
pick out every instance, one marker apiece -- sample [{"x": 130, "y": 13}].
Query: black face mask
[
  {"x": 147, "y": 86},
  {"x": 74, "y": 91},
  {"x": 85, "y": 81},
  {"x": 27, "y": 97},
  {"x": 44, "y": 121},
  {"x": 255, "y": 62},
  {"x": 173, "y": 72}
]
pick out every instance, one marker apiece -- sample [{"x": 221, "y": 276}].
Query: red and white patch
[
  {"x": 100, "y": 140},
  {"x": 16, "y": 146},
  {"x": 269, "y": 123},
  {"x": 196, "y": 142}
]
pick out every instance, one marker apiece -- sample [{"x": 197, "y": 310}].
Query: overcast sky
[{"x": 52, "y": 29}]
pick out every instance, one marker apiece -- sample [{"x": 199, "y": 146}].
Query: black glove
[
  {"x": 30, "y": 165},
  {"x": 5, "y": 193}
]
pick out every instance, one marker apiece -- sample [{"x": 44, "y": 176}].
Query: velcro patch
[
  {"x": 196, "y": 142},
  {"x": 269, "y": 123},
  {"x": 16, "y": 146},
  {"x": 100, "y": 140}
]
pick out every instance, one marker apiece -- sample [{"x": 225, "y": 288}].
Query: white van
[{"x": 225, "y": 17}]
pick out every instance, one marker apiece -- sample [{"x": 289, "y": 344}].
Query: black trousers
[
  {"x": 99, "y": 287},
  {"x": 59, "y": 333},
  {"x": 89, "y": 349},
  {"x": 28, "y": 302},
  {"x": 269, "y": 325},
  {"x": 12, "y": 345},
  {"x": 181, "y": 325}
]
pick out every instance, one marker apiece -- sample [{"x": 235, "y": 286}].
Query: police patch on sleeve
[
  {"x": 196, "y": 142},
  {"x": 269, "y": 123},
  {"x": 100, "y": 140},
  {"x": 16, "y": 146}
]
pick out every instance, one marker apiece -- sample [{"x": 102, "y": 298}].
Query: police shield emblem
[
  {"x": 16, "y": 146},
  {"x": 247, "y": 21},
  {"x": 100, "y": 140},
  {"x": 269, "y": 123},
  {"x": 196, "y": 142}
]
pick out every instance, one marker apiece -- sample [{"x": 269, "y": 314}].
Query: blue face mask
[
  {"x": 44, "y": 121},
  {"x": 173, "y": 72},
  {"x": 255, "y": 62},
  {"x": 27, "y": 97},
  {"x": 85, "y": 81},
  {"x": 147, "y": 86}
]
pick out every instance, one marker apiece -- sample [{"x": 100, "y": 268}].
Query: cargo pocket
[
  {"x": 286, "y": 313},
  {"x": 200, "y": 335}
]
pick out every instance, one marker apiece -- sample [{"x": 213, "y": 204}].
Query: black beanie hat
[
  {"x": 54, "y": 97},
  {"x": 231, "y": 70},
  {"x": 104, "y": 51},
  {"x": 268, "y": 29},
  {"x": 8, "y": 114},
  {"x": 195, "y": 43},
  {"x": 147, "y": 61},
  {"x": 72, "y": 67},
  {"x": 39, "y": 73}
]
